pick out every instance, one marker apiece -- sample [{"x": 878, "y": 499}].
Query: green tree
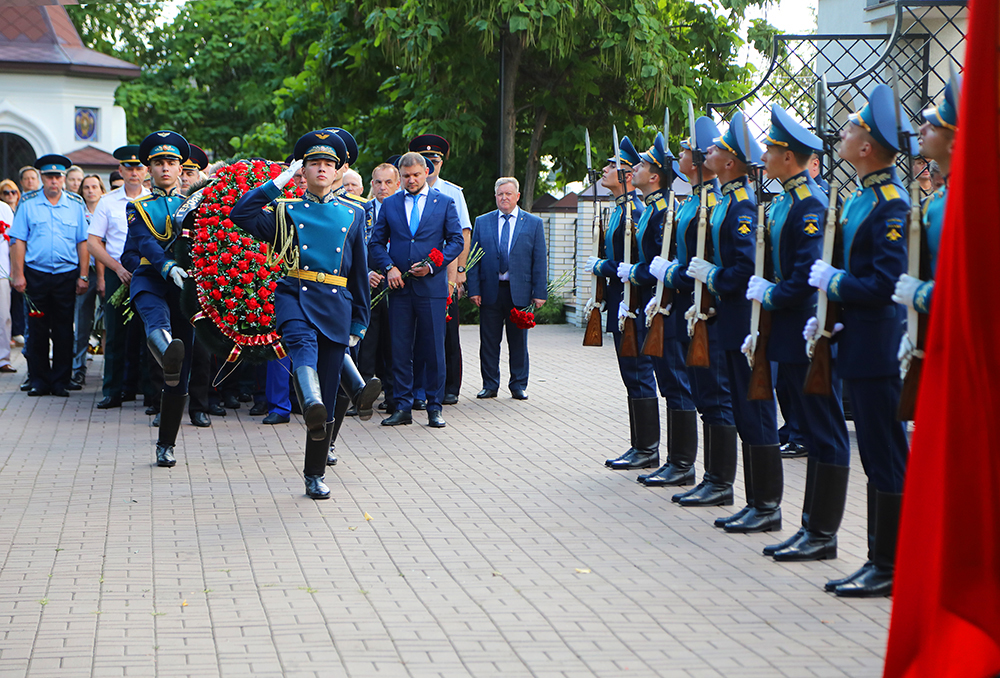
[{"x": 118, "y": 29}]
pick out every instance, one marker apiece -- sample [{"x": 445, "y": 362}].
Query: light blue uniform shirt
[
  {"x": 455, "y": 192},
  {"x": 51, "y": 232}
]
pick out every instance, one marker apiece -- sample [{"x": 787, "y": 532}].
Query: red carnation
[
  {"x": 245, "y": 241},
  {"x": 234, "y": 249},
  {"x": 220, "y": 235},
  {"x": 238, "y": 292},
  {"x": 243, "y": 264},
  {"x": 265, "y": 320},
  {"x": 271, "y": 285},
  {"x": 274, "y": 171},
  {"x": 232, "y": 272},
  {"x": 220, "y": 281},
  {"x": 227, "y": 223},
  {"x": 263, "y": 273},
  {"x": 233, "y": 236},
  {"x": 524, "y": 320},
  {"x": 251, "y": 317},
  {"x": 269, "y": 307},
  {"x": 252, "y": 304},
  {"x": 215, "y": 294},
  {"x": 263, "y": 293},
  {"x": 230, "y": 304},
  {"x": 212, "y": 248},
  {"x": 214, "y": 220},
  {"x": 247, "y": 277},
  {"x": 225, "y": 210},
  {"x": 230, "y": 318},
  {"x": 436, "y": 257},
  {"x": 227, "y": 258}
]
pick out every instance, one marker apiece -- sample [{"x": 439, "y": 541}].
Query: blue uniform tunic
[
  {"x": 873, "y": 256},
  {"x": 933, "y": 222}
]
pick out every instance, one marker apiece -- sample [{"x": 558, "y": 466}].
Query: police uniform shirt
[
  {"x": 109, "y": 222},
  {"x": 51, "y": 232},
  {"x": 458, "y": 195},
  {"x": 510, "y": 235}
]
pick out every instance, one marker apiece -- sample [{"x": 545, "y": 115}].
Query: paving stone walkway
[{"x": 498, "y": 546}]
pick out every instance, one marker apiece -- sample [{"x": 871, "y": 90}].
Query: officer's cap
[
  {"x": 198, "y": 159},
  {"x": 945, "y": 114},
  {"x": 706, "y": 131},
  {"x": 878, "y": 118},
  {"x": 735, "y": 138},
  {"x": 53, "y": 164},
  {"x": 163, "y": 144},
  {"x": 321, "y": 144},
  {"x": 128, "y": 155},
  {"x": 628, "y": 154},
  {"x": 290, "y": 158},
  {"x": 658, "y": 154},
  {"x": 430, "y": 144},
  {"x": 789, "y": 134},
  {"x": 350, "y": 144}
]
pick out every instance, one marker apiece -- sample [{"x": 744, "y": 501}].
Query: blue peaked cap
[
  {"x": 658, "y": 154},
  {"x": 706, "y": 131},
  {"x": 787, "y": 132},
  {"x": 878, "y": 118},
  {"x": 733, "y": 141},
  {"x": 628, "y": 154},
  {"x": 164, "y": 144},
  {"x": 945, "y": 114},
  {"x": 53, "y": 164}
]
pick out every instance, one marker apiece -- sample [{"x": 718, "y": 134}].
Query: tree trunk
[
  {"x": 513, "y": 47},
  {"x": 534, "y": 159}
]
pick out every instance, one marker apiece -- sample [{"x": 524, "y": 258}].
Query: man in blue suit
[
  {"x": 511, "y": 274},
  {"x": 417, "y": 221}
]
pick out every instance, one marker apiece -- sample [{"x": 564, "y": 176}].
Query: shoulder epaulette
[
  {"x": 143, "y": 198},
  {"x": 31, "y": 195},
  {"x": 75, "y": 197},
  {"x": 350, "y": 197},
  {"x": 452, "y": 183}
]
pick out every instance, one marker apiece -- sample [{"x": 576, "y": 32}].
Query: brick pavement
[{"x": 498, "y": 546}]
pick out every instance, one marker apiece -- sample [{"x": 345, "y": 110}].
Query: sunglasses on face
[{"x": 9, "y": 192}]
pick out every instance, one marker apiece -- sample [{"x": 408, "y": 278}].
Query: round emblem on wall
[{"x": 85, "y": 124}]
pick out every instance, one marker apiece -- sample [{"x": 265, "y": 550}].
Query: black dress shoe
[
  {"x": 258, "y": 409},
  {"x": 434, "y": 419},
  {"x": 792, "y": 450},
  {"x": 79, "y": 378},
  {"x": 449, "y": 399},
  {"x": 201, "y": 419},
  {"x": 110, "y": 403},
  {"x": 165, "y": 455},
  {"x": 36, "y": 392},
  {"x": 331, "y": 458},
  {"x": 153, "y": 409},
  {"x": 73, "y": 386},
  {"x": 486, "y": 393},
  {"x": 60, "y": 392},
  {"x": 351, "y": 412},
  {"x": 245, "y": 397},
  {"x": 383, "y": 406},
  {"x": 156, "y": 420},
  {"x": 518, "y": 394},
  {"x": 420, "y": 404},
  {"x": 128, "y": 397},
  {"x": 231, "y": 402},
  {"x": 26, "y": 384},
  {"x": 217, "y": 410},
  {"x": 399, "y": 418},
  {"x": 316, "y": 488},
  {"x": 275, "y": 418}
]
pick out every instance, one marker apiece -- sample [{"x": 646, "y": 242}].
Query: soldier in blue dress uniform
[
  {"x": 157, "y": 279},
  {"x": 322, "y": 304},
  {"x": 937, "y": 141},
  {"x": 709, "y": 386},
  {"x": 733, "y": 230},
  {"x": 637, "y": 373},
  {"x": 794, "y": 239},
  {"x": 653, "y": 177},
  {"x": 870, "y": 260}
]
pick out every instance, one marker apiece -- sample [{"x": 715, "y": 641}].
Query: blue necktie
[
  {"x": 504, "y": 239},
  {"x": 414, "y": 214}
]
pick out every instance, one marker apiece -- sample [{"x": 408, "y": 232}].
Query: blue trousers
[
  {"x": 709, "y": 385},
  {"x": 418, "y": 328},
  {"x": 308, "y": 347},
  {"x": 823, "y": 429},
  {"x": 277, "y": 391},
  {"x": 756, "y": 420},
  {"x": 158, "y": 313},
  {"x": 637, "y": 373},
  {"x": 493, "y": 320},
  {"x": 671, "y": 374},
  {"x": 785, "y": 390},
  {"x": 881, "y": 439}
]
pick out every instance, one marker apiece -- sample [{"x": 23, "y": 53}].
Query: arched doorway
[{"x": 15, "y": 153}]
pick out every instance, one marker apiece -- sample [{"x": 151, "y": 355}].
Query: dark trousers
[
  {"x": 881, "y": 439},
  {"x": 709, "y": 385},
  {"x": 453, "y": 351},
  {"x": 278, "y": 390},
  {"x": 375, "y": 354},
  {"x": 83, "y": 322},
  {"x": 165, "y": 314},
  {"x": 637, "y": 373},
  {"x": 201, "y": 378},
  {"x": 493, "y": 320},
  {"x": 308, "y": 347},
  {"x": 17, "y": 324},
  {"x": 115, "y": 339},
  {"x": 671, "y": 374},
  {"x": 418, "y": 329},
  {"x": 785, "y": 390},
  {"x": 823, "y": 429},
  {"x": 137, "y": 358},
  {"x": 756, "y": 420},
  {"x": 54, "y": 295}
]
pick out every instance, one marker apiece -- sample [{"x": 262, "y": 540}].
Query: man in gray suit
[{"x": 511, "y": 275}]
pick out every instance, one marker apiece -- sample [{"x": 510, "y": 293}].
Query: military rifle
[
  {"x": 761, "y": 386},
  {"x": 626, "y": 323},
  {"x": 697, "y": 355},
  {"x": 594, "y": 336},
  {"x": 653, "y": 345}
]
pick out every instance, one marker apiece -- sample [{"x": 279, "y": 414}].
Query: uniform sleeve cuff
[
  {"x": 631, "y": 274},
  {"x": 165, "y": 268},
  {"x": 710, "y": 281},
  {"x": 271, "y": 191},
  {"x": 668, "y": 276},
  {"x": 767, "y": 304},
  {"x": 922, "y": 299},
  {"x": 833, "y": 289},
  {"x": 358, "y": 330}
]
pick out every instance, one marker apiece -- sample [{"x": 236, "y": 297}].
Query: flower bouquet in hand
[
  {"x": 524, "y": 318},
  {"x": 434, "y": 258}
]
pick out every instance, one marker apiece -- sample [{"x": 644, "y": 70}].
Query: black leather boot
[
  {"x": 631, "y": 431},
  {"x": 872, "y": 510},
  {"x": 718, "y": 487},
  {"x": 363, "y": 393},
  {"x": 646, "y": 452},
  {"x": 307, "y": 390},
  {"x": 172, "y": 407},
  {"x": 682, "y": 450},
  {"x": 768, "y": 480},
  {"x": 339, "y": 412},
  {"x": 706, "y": 446},
  {"x": 169, "y": 353},
  {"x": 819, "y": 541},
  {"x": 748, "y": 489},
  {"x": 876, "y": 581},
  {"x": 315, "y": 464},
  {"x": 807, "y": 500}
]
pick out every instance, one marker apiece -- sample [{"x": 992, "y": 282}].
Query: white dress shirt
[
  {"x": 510, "y": 238},
  {"x": 108, "y": 222},
  {"x": 421, "y": 202}
]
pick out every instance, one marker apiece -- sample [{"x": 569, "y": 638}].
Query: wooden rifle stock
[
  {"x": 630, "y": 336},
  {"x": 761, "y": 386},
  {"x": 911, "y": 382},
  {"x": 697, "y": 355},
  {"x": 916, "y": 323},
  {"x": 653, "y": 345},
  {"x": 594, "y": 335},
  {"x": 819, "y": 378}
]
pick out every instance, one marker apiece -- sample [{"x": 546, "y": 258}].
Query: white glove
[
  {"x": 591, "y": 262},
  {"x": 287, "y": 175},
  {"x": 821, "y": 274},
  {"x": 748, "y": 346},
  {"x": 353, "y": 341},
  {"x": 177, "y": 275},
  {"x": 651, "y": 307},
  {"x": 658, "y": 267},
  {"x": 624, "y": 270},
  {"x": 622, "y": 310},
  {"x": 691, "y": 312},
  {"x": 812, "y": 329},
  {"x": 699, "y": 269},
  {"x": 757, "y": 288},
  {"x": 906, "y": 290},
  {"x": 905, "y": 348}
]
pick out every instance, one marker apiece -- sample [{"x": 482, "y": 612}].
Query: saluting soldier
[
  {"x": 871, "y": 259},
  {"x": 322, "y": 304},
  {"x": 157, "y": 279},
  {"x": 653, "y": 177},
  {"x": 637, "y": 372},
  {"x": 795, "y": 240},
  {"x": 709, "y": 386}
]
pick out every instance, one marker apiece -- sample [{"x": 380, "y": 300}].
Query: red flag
[{"x": 946, "y": 607}]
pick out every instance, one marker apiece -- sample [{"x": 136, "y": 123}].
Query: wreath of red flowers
[{"x": 233, "y": 282}]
